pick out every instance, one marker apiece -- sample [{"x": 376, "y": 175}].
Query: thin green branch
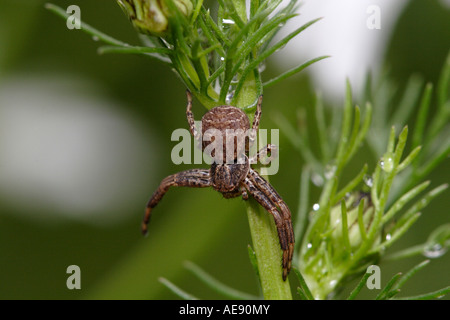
[
  {"x": 321, "y": 128},
  {"x": 419, "y": 205},
  {"x": 428, "y": 296},
  {"x": 410, "y": 273},
  {"x": 176, "y": 290},
  {"x": 385, "y": 291},
  {"x": 292, "y": 72},
  {"x": 303, "y": 285},
  {"x": 302, "y": 212},
  {"x": 358, "y": 288},
  {"x": 351, "y": 185},
  {"x": 345, "y": 129},
  {"x": 361, "y": 226},
  {"x": 344, "y": 225},
  {"x": 216, "y": 285},
  {"x": 264, "y": 55},
  {"x": 408, "y": 101},
  {"x": 146, "y": 51},
  {"x": 422, "y": 116},
  {"x": 398, "y": 205},
  {"x": 87, "y": 28}
]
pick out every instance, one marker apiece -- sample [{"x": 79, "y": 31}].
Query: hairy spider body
[
  {"x": 228, "y": 177},
  {"x": 229, "y": 123},
  {"x": 232, "y": 178}
]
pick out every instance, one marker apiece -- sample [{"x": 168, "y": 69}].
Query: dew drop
[
  {"x": 387, "y": 162},
  {"x": 227, "y": 21},
  {"x": 316, "y": 206},
  {"x": 309, "y": 245},
  {"x": 262, "y": 67},
  {"x": 95, "y": 38},
  {"x": 388, "y": 237},
  {"x": 317, "y": 179},
  {"x": 167, "y": 44},
  {"x": 229, "y": 97},
  {"x": 330, "y": 170},
  {"x": 434, "y": 251},
  {"x": 368, "y": 181}
]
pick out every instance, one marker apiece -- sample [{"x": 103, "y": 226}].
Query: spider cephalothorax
[{"x": 230, "y": 172}]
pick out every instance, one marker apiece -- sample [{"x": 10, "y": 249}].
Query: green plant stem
[
  {"x": 268, "y": 253},
  {"x": 262, "y": 225}
]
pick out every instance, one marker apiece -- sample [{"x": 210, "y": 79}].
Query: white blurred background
[
  {"x": 69, "y": 150},
  {"x": 343, "y": 33}
]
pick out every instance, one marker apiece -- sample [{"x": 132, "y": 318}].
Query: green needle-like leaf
[
  {"x": 147, "y": 51},
  {"x": 216, "y": 285},
  {"x": 422, "y": 116},
  {"x": 345, "y": 226},
  {"x": 403, "y": 200},
  {"x": 303, "y": 285},
  {"x": 292, "y": 72},
  {"x": 358, "y": 288},
  {"x": 87, "y": 28},
  {"x": 176, "y": 290},
  {"x": 351, "y": 185},
  {"x": 302, "y": 213},
  {"x": 385, "y": 291},
  {"x": 361, "y": 226},
  {"x": 428, "y": 296},
  {"x": 410, "y": 273},
  {"x": 420, "y": 204}
]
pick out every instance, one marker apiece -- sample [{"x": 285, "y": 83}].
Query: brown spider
[{"x": 235, "y": 178}]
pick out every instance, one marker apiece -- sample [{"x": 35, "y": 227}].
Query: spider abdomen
[{"x": 226, "y": 121}]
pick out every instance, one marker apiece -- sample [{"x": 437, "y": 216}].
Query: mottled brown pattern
[
  {"x": 223, "y": 118},
  {"x": 233, "y": 179}
]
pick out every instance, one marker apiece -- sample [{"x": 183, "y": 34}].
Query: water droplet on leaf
[
  {"x": 368, "y": 181},
  {"x": 317, "y": 179},
  {"x": 330, "y": 170},
  {"x": 434, "y": 251},
  {"x": 229, "y": 97},
  {"x": 387, "y": 162},
  {"x": 228, "y": 21}
]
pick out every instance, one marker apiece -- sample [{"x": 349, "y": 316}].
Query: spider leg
[
  {"x": 284, "y": 226},
  {"x": 257, "y": 117},
  {"x": 273, "y": 195},
  {"x": 195, "y": 178},
  {"x": 190, "y": 116},
  {"x": 270, "y": 148},
  {"x": 256, "y": 121},
  {"x": 244, "y": 193}
]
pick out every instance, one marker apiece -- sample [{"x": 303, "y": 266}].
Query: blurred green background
[{"x": 85, "y": 140}]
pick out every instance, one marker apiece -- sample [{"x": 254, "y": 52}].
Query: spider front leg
[
  {"x": 195, "y": 178},
  {"x": 262, "y": 153},
  {"x": 190, "y": 116},
  {"x": 273, "y": 195},
  {"x": 256, "y": 121},
  {"x": 263, "y": 195}
]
